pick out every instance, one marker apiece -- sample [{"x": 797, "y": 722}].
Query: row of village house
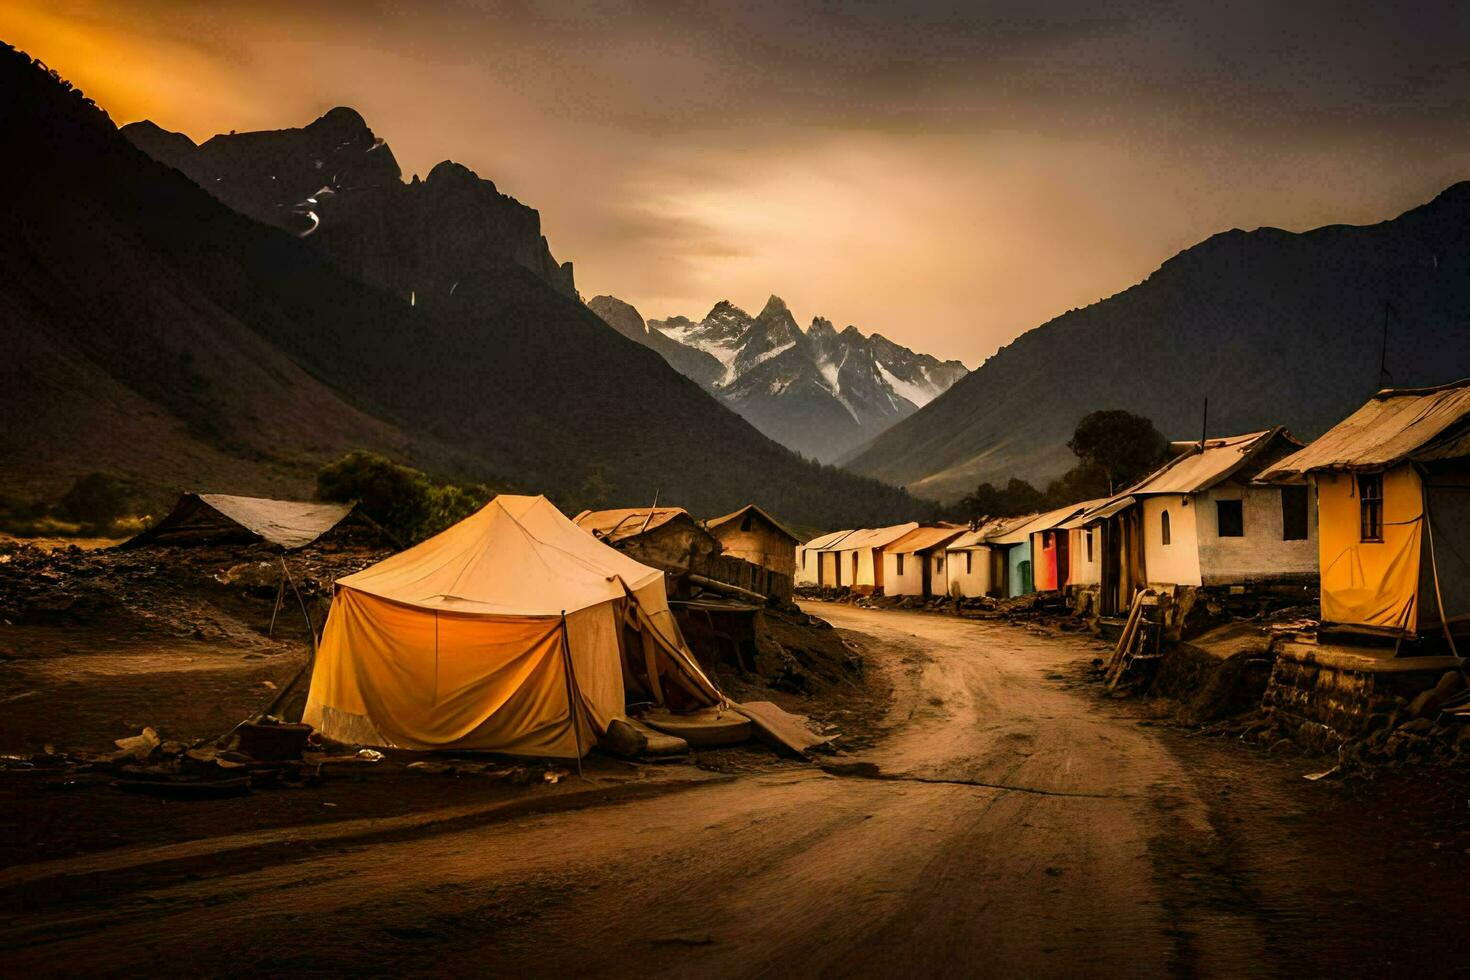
[{"x": 1377, "y": 510}]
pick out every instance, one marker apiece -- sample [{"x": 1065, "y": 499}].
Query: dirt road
[{"x": 1009, "y": 822}]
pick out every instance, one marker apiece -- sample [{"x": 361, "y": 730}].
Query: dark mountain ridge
[
  {"x": 1273, "y": 327},
  {"x": 166, "y": 337},
  {"x": 335, "y": 181}
]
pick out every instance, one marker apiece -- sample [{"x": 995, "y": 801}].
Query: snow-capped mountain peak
[{"x": 819, "y": 391}]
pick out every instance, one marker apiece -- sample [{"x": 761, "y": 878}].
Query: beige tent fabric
[
  {"x": 458, "y": 643},
  {"x": 516, "y": 556}
]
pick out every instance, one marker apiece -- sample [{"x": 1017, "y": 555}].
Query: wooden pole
[{"x": 566, "y": 650}]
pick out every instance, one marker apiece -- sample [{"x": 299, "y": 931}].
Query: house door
[
  {"x": 926, "y": 574},
  {"x": 1111, "y": 568},
  {"x": 1063, "y": 559}
]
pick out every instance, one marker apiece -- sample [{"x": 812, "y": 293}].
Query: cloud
[{"x": 948, "y": 173}]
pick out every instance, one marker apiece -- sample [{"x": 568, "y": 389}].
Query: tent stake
[
  {"x": 280, "y": 598},
  {"x": 566, "y": 650}
]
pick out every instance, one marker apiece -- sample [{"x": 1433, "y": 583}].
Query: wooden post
[{"x": 566, "y": 650}]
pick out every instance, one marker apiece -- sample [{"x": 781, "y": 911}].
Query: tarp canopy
[
  {"x": 220, "y": 517},
  {"x": 460, "y": 642},
  {"x": 1395, "y": 425}
]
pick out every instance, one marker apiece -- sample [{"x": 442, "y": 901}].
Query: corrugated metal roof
[
  {"x": 1103, "y": 511},
  {"x": 1194, "y": 471},
  {"x": 822, "y": 541},
  {"x": 872, "y": 537},
  {"x": 1393, "y": 426},
  {"x": 1038, "y": 522},
  {"x": 924, "y": 538}
]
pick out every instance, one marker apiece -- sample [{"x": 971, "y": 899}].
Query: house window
[
  {"x": 939, "y": 563},
  {"x": 1370, "y": 506},
  {"x": 1164, "y": 526},
  {"x": 1293, "y": 513},
  {"x": 1089, "y": 545},
  {"x": 1229, "y": 519},
  {"x": 1046, "y": 539},
  {"x": 900, "y": 564},
  {"x": 969, "y": 562},
  {"x": 745, "y": 521}
]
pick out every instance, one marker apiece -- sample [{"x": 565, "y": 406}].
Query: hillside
[
  {"x": 818, "y": 391},
  {"x": 170, "y": 339},
  {"x": 335, "y": 181},
  {"x": 1273, "y": 327}
]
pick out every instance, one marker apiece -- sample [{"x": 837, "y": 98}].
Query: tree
[
  {"x": 400, "y": 498},
  {"x": 397, "y": 497},
  {"x": 1122, "y": 446},
  {"x": 95, "y": 500},
  {"x": 1085, "y": 481},
  {"x": 988, "y": 500}
]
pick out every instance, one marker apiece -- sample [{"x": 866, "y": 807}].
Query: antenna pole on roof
[
  {"x": 1204, "y": 425},
  {"x": 1385, "y": 380},
  {"x": 650, "y": 511}
]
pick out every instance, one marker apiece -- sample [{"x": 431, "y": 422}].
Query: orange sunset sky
[{"x": 950, "y": 175}]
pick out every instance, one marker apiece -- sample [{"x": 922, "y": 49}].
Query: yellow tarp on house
[
  {"x": 458, "y": 642},
  {"x": 1370, "y": 583}
]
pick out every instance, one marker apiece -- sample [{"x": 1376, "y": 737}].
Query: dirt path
[{"x": 1009, "y": 823}]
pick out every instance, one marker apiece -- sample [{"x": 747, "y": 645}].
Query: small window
[
  {"x": 1370, "y": 505},
  {"x": 900, "y": 563},
  {"x": 969, "y": 562},
  {"x": 939, "y": 563},
  {"x": 1164, "y": 527},
  {"x": 1229, "y": 519},
  {"x": 1293, "y": 513},
  {"x": 1046, "y": 539},
  {"x": 1089, "y": 545},
  {"x": 745, "y": 521}
]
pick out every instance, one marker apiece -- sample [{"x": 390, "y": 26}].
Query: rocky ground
[
  {"x": 1004, "y": 819},
  {"x": 175, "y": 647},
  {"x": 1212, "y": 681}
]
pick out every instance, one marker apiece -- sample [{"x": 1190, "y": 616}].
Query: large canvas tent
[
  {"x": 219, "y": 518},
  {"x": 486, "y": 636}
]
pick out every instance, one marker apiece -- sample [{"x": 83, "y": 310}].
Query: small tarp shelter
[
  {"x": 1203, "y": 519},
  {"x": 218, "y": 518},
  {"x": 664, "y": 536},
  {"x": 969, "y": 571},
  {"x": 1051, "y": 557},
  {"x": 914, "y": 564},
  {"x": 815, "y": 565},
  {"x": 1011, "y": 541},
  {"x": 484, "y": 636},
  {"x": 1393, "y": 508},
  {"x": 860, "y": 556},
  {"x": 755, "y": 536}
]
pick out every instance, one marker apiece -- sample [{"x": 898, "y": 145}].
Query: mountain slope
[
  {"x": 817, "y": 391},
  {"x": 1273, "y": 327},
  {"x": 167, "y": 335},
  {"x": 337, "y": 182}
]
